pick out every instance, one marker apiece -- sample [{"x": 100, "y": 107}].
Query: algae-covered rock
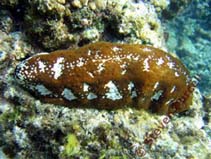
[
  {"x": 72, "y": 146},
  {"x": 60, "y": 24},
  {"x": 91, "y": 133},
  {"x": 6, "y": 21},
  {"x": 9, "y": 3}
]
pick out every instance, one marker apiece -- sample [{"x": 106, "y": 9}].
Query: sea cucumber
[{"x": 107, "y": 75}]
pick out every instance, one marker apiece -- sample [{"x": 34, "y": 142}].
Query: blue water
[{"x": 189, "y": 35}]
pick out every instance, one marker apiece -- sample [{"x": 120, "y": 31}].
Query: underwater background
[
  {"x": 32, "y": 129},
  {"x": 189, "y": 36}
]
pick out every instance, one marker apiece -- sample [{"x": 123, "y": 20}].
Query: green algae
[{"x": 72, "y": 146}]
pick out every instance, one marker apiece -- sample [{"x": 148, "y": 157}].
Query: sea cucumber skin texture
[{"x": 107, "y": 76}]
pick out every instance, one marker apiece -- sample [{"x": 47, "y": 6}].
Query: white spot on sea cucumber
[
  {"x": 136, "y": 58},
  {"x": 157, "y": 95},
  {"x": 146, "y": 65},
  {"x": 85, "y": 87},
  {"x": 89, "y": 52},
  {"x": 42, "y": 90},
  {"x": 117, "y": 58},
  {"x": 91, "y": 96},
  {"x": 129, "y": 57},
  {"x": 123, "y": 72},
  {"x": 176, "y": 74},
  {"x": 171, "y": 65},
  {"x": 71, "y": 66},
  {"x": 168, "y": 57},
  {"x": 26, "y": 72},
  {"x": 113, "y": 92},
  {"x": 123, "y": 66},
  {"x": 169, "y": 101},
  {"x": 156, "y": 85},
  {"x": 21, "y": 69},
  {"x": 146, "y": 49},
  {"x": 90, "y": 74},
  {"x": 41, "y": 66},
  {"x": 131, "y": 88},
  {"x": 116, "y": 48},
  {"x": 68, "y": 94},
  {"x": 173, "y": 89},
  {"x": 160, "y": 61},
  {"x": 100, "y": 67},
  {"x": 80, "y": 62},
  {"x": 58, "y": 67},
  {"x": 34, "y": 71}
]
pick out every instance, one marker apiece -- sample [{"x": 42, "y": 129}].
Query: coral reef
[
  {"x": 6, "y": 21},
  {"x": 189, "y": 36},
  {"x": 56, "y": 24},
  {"x": 174, "y": 8},
  {"x": 30, "y": 129}
]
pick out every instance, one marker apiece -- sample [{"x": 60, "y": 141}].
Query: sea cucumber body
[{"x": 108, "y": 76}]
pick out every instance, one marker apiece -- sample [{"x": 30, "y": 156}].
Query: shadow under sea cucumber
[{"x": 107, "y": 75}]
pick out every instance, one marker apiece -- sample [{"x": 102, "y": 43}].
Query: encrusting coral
[{"x": 54, "y": 24}]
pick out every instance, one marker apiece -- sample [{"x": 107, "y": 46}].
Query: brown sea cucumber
[{"x": 108, "y": 76}]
